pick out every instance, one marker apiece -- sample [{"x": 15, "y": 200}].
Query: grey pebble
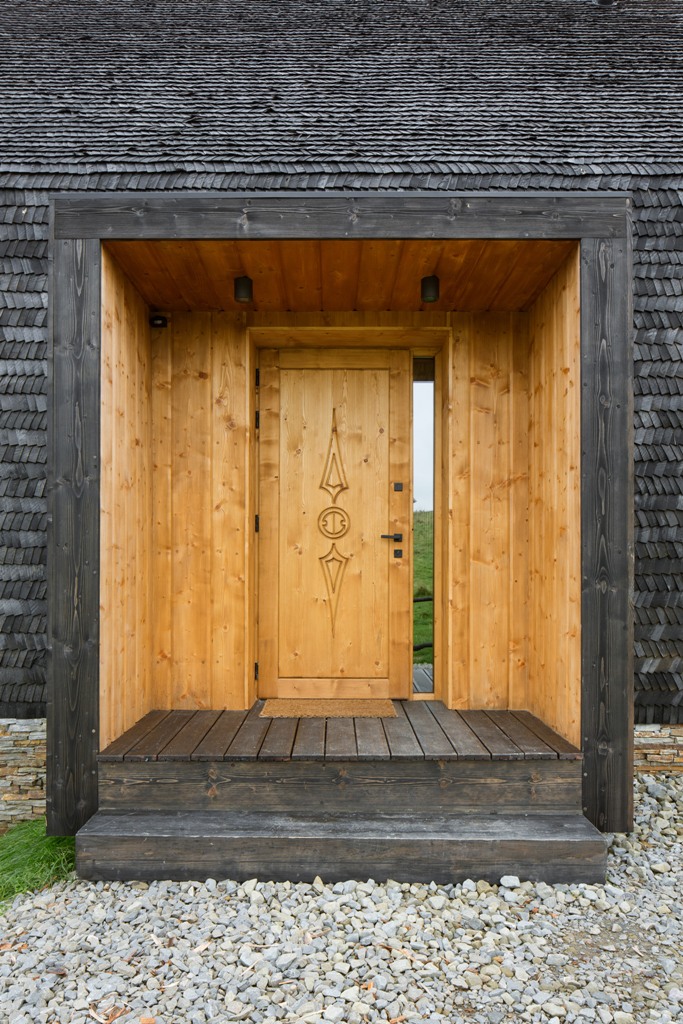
[{"x": 359, "y": 951}]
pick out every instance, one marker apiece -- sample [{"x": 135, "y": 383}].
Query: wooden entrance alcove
[{"x": 160, "y": 594}]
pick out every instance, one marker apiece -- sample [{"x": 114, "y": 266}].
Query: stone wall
[
  {"x": 659, "y": 746},
  {"x": 22, "y": 770}
]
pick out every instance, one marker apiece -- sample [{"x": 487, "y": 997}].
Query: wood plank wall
[
  {"x": 486, "y": 460},
  {"x": 512, "y": 459},
  {"x": 555, "y": 503},
  {"x": 178, "y": 477},
  {"x": 203, "y": 521},
  {"x": 126, "y": 691},
  {"x": 175, "y": 619}
]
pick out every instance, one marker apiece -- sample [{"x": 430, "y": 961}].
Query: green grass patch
[
  {"x": 423, "y": 585},
  {"x": 31, "y": 860}
]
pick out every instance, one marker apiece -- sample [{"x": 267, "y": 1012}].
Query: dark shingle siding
[
  {"x": 658, "y": 389},
  {"x": 23, "y": 452},
  {"x": 658, "y": 386}
]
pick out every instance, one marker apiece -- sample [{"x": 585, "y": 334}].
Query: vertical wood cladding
[
  {"x": 73, "y": 537},
  {"x": 554, "y": 655},
  {"x": 486, "y": 436},
  {"x": 515, "y": 630},
  {"x": 202, "y": 512},
  {"x": 126, "y": 612},
  {"x": 175, "y": 529}
]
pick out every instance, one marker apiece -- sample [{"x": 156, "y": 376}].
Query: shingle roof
[{"x": 343, "y": 80}]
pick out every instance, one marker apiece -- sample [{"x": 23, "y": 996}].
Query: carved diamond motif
[
  {"x": 334, "y": 477},
  {"x": 333, "y": 565}
]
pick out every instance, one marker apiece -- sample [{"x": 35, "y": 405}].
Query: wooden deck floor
[
  {"x": 421, "y": 730},
  {"x": 423, "y": 679}
]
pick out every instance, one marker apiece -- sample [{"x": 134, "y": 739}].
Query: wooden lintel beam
[{"x": 340, "y": 215}]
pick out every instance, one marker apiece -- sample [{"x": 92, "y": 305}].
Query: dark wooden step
[
  {"x": 440, "y": 848},
  {"x": 359, "y": 786}
]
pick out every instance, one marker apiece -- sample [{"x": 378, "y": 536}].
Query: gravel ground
[{"x": 187, "y": 953}]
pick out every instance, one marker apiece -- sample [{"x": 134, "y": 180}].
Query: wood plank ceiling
[{"x": 341, "y": 275}]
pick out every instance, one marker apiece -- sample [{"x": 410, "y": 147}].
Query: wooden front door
[{"x": 335, "y": 597}]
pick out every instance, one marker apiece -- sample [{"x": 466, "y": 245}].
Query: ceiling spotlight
[
  {"x": 429, "y": 289},
  {"x": 244, "y": 289}
]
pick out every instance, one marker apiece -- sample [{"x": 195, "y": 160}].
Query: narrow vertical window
[{"x": 423, "y": 525}]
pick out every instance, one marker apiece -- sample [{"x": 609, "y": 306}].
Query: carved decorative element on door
[
  {"x": 333, "y": 521},
  {"x": 334, "y": 478},
  {"x": 333, "y": 565}
]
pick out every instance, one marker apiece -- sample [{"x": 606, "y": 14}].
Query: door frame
[
  {"x": 430, "y": 335},
  {"x": 80, "y": 222}
]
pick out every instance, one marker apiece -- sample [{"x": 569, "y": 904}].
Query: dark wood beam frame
[{"x": 600, "y": 221}]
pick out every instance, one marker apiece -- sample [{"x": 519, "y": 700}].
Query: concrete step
[{"x": 297, "y": 847}]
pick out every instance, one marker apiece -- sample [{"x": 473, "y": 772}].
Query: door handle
[{"x": 398, "y": 537}]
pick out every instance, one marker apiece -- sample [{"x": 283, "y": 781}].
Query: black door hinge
[
  {"x": 258, "y": 419},
  {"x": 256, "y": 670},
  {"x": 256, "y": 524},
  {"x": 258, "y": 377}
]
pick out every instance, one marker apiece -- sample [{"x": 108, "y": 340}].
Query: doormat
[{"x": 305, "y": 708}]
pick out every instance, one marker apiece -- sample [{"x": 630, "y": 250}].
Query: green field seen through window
[{"x": 423, "y": 585}]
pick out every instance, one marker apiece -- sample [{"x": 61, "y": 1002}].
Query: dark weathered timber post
[
  {"x": 607, "y": 533},
  {"x": 73, "y": 536}
]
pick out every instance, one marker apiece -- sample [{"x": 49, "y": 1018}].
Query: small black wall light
[
  {"x": 157, "y": 320},
  {"x": 429, "y": 289},
  {"x": 244, "y": 289}
]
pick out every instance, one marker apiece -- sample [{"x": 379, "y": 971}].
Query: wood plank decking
[
  {"x": 424, "y": 730},
  {"x": 423, "y": 679},
  {"x": 431, "y": 794}
]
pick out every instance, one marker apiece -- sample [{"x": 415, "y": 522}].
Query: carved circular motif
[{"x": 333, "y": 522}]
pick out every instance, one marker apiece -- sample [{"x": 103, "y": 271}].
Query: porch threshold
[{"x": 424, "y": 730}]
